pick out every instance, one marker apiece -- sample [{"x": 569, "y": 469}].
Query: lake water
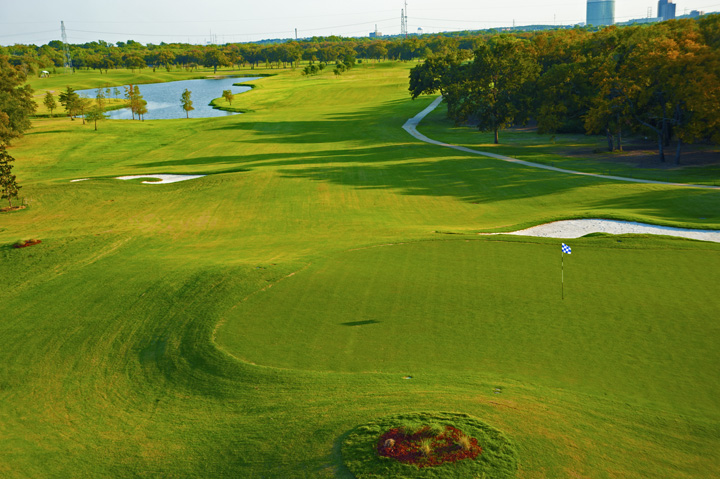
[{"x": 163, "y": 99}]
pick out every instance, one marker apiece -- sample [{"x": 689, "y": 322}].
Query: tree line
[
  {"x": 104, "y": 56},
  {"x": 16, "y": 105},
  {"x": 661, "y": 80}
]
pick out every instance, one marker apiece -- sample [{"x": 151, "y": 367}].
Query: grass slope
[{"x": 109, "y": 329}]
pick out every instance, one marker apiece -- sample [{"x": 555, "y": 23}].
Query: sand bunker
[
  {"x": 578, "y": 228},
  {"x": 161, "y": 178}
]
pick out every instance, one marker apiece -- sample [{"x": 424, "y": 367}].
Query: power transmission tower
[
  {"x": 403, "y": 21},
  {"x": 66, "y": 49}
]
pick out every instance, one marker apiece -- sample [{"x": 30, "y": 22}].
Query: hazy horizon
[{"x": 223, "y": 21}]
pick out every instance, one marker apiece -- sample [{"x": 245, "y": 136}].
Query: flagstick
[{"x": 562, "y": 273}]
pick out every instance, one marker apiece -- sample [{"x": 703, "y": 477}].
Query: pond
[{"x": 163, "y": 99}]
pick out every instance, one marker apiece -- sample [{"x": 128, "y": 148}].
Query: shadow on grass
[
  {"x": 470, "y": 179},
  {"x": 359, "y": 155},
  {"x": 341, "y": 471},
  {"x": 363, "y": 126},
  {"x": 360, "y": 323},
  {"x": 410, "y": 169},
  {"x": 51, "y": 132},
  {"x": 367, "y": 149}
]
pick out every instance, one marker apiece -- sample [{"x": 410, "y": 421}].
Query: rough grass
[{"x": 109, "y": 328}]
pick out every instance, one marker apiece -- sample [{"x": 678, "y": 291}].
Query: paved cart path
[{"x": 411, "y": 127}]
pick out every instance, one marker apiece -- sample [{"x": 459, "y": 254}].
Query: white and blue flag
[{"x": 566, "y": 249}]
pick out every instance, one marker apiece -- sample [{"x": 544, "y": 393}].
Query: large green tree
[
  {"x": 563, "y": 88},
  {"x": 377, "y": 50},
  {"x": 8, "y": 184},
  {"x": 97, "y": 112},
  {"x": 135, "y": 100},
  {"x": 49, "y": 102},
  {"x": 215, "y": 58},
  {"x": 139, "y": 104},
  {"x": 493, "y": 91},
  {"x": 500, "y": 78},
  {"x": 669, "y": 80},
  {"x": 607, "y": 110},
  {"x": 71, "y": 101},
  {"x": 134, "y": 61},
  {"x": 165, "y": 57},
  {"x": 84, "y": 105},
  {"x": 439, "y": 73},
  {"x": 16, "y": 102}
]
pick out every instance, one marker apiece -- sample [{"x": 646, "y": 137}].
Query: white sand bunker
[
  {"x": 161, "y": 178},
  {"x": 79, "y": 179},
  {"x": 578, "y": 228}
]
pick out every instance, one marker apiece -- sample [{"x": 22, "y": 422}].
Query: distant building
[
  {"x": 692, "y": 14},
  {"x": 666, "y": 10},
  {"x": 419, "y": 31},
  {"x": 600, "y": 12},
  {"x": 375, "y": 34}
]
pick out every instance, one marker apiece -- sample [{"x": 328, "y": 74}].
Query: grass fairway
[{"x": 242, "y": 324}]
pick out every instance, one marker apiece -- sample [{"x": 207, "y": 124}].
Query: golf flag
[{"x": 565, "y": 249}]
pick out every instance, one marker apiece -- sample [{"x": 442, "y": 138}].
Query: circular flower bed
[
  {"x": 26, "y": 243},
  {"x": 428, "y": 445}
]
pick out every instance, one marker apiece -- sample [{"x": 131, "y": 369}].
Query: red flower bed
[
  {"x": 26, "y": 243},
  {"x": 445, "y": 447}
]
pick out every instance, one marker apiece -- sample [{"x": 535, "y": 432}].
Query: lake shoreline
[{"x": 163, "y": 98}]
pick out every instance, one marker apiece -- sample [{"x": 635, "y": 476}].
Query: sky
[{"x": 227, "y": 21}]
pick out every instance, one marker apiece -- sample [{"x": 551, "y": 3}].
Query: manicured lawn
[{"x": 241, "y": 324}]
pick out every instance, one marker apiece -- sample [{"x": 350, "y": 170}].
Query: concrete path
[{"x": 411, "y": 127}]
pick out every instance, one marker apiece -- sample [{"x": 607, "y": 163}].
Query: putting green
[{"x": 494, "y": 306}]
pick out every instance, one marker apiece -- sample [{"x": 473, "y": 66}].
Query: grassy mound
[{"x": 362, "y": 457}]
